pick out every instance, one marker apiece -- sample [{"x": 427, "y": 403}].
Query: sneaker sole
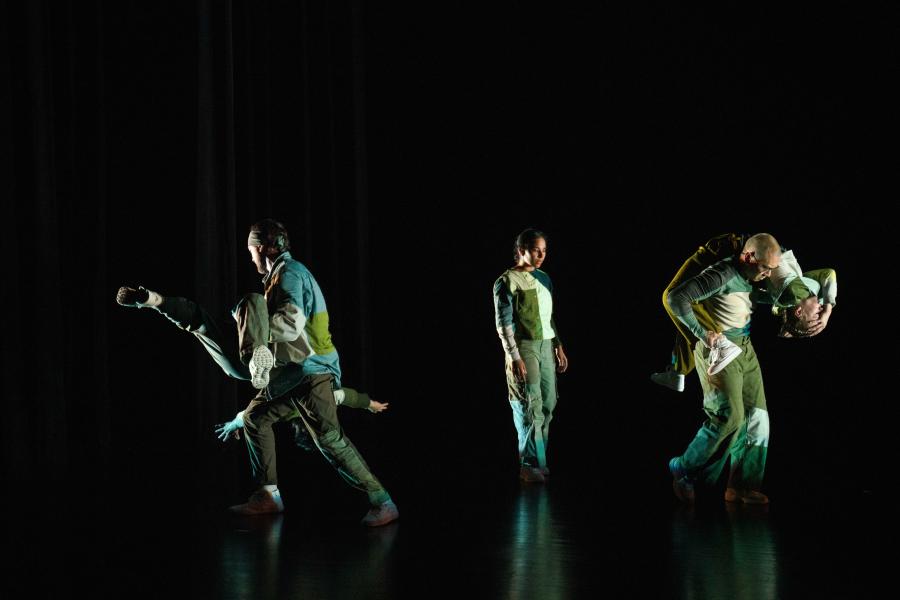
[
  {"x": 717, "y": 368},
  {"x": 126, "y": 297},
  {"x": 242, "y": 511},
  {"x": 261, "y": 363},
  {"x": 381, "y": 522},
  {"x": 748, "y": 500},
  {"x": 389, "y": 516}
]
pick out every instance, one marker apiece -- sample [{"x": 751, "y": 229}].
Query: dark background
[{"x": 404, "y": 147}]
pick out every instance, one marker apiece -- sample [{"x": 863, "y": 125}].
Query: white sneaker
[
  {"x": 721, "y": 355},
  {"x": 381, "y": 515},
  {"x": 262, "y": 502},
  {"x": 670, "y": 379},
  {"x": 261, "y": 363}
]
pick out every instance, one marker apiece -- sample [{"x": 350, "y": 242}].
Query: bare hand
[
  {"x": 377, "y": 407},
  {"x": 519, "y": 370},
  {"x": 818, "y": 326},
  {"x": 562, "y": 361},
  {"x": 712, "y": 338}
]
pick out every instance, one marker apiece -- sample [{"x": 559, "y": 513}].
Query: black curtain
[
  {"x": 139, "y": 142},
  {"x": 56, "y": 373},
  {"x": 404, "y": 147}
]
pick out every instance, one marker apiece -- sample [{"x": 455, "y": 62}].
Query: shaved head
[
  {"x": 763, "y": 245},
  {"x": 760, "y": 256}
]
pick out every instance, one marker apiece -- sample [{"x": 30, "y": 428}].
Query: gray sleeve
[{"x": 709, "y": 282}]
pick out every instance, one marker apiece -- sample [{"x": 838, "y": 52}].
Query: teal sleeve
[{"x": 503, "y": 304}]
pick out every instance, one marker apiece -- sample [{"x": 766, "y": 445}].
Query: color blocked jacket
[
  {"x": 523, "y": 309},
  {"x": 298, "y": 319},
  {"x": 788, "y": 285}
]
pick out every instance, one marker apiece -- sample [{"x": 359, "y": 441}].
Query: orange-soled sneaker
[
  {"x": 745, "y": 496},
  {"x": 382, "y": 514},
  {"x": 261, "y": 502}
]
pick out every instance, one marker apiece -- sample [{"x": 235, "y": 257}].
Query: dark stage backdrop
[
  {"x": 404, "y": 147},
  {"x": 140, "y": 141}
]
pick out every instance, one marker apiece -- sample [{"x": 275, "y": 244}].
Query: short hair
[
  {"x": 273, "y": 233},
  {"x": 762, "y": 244}
]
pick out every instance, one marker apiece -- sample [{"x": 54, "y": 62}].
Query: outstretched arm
[{"x": 353, "y": 399}]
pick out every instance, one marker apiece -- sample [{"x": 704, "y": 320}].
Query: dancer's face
[
  {"x": 534, "y": 256},
  {"x": 810, "y": 309},
  {"x": 757, "y": 268},
  {"x": 258, "y": 258}
]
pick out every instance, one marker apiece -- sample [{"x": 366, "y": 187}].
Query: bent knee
[{"x": 251, "y": 300}]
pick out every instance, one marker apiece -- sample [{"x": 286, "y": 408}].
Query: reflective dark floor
[
  {"x": 490, "y": 537},
  {"x": 151, "y": 521}
]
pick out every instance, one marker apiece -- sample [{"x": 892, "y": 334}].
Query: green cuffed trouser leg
[
  {"x": 737, "y": 424},
  {"x": 533, "y": 402}
]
